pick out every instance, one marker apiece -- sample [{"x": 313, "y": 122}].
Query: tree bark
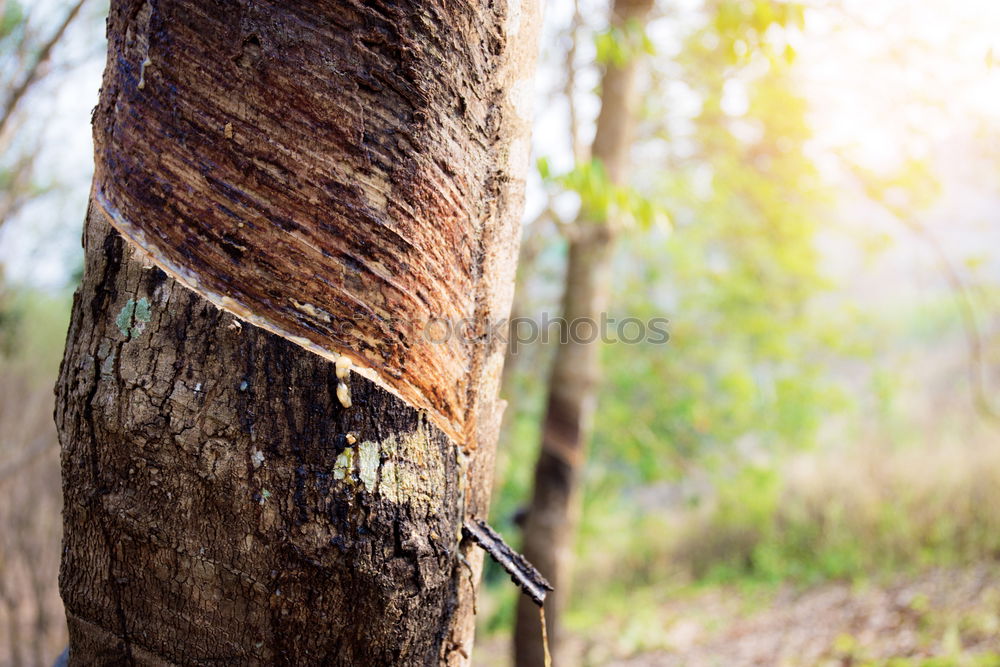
[
  {"x": 552, "y": 516},
  {"x": 279, "y": 186}
]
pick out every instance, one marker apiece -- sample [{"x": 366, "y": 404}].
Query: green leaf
[
  {"x": 544, "y": 170},
  {"x": 13, "y": 17}
]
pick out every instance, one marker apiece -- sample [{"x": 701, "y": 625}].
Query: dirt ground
[{"x": 943, "y": 612}]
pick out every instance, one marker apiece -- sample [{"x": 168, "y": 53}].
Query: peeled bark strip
[
  {"x": 552, "y": 516},
  {"x": 303, "y": 166}
]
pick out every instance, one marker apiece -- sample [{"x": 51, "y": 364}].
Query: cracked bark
[
  {"x": 552, "y": 515},
  {"x": 220, "y": 502}
]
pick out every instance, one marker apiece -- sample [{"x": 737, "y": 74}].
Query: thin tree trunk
[
  {"x": 335, "y": 173},
  {"x": 551, "y": 520}
]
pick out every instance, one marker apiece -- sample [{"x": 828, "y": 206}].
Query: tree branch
[{"x": 34, "y": 72}]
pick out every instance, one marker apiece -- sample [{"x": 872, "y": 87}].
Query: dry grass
[
  {"x": 904, "y": 507},
  {"x": 851, "y": 512}
]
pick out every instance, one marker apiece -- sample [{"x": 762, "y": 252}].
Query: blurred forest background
[{"x": 808, "y": 472}]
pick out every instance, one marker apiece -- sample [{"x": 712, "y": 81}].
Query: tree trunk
[
  {"x": 551, "y": 520},
  {"x": 296, "y": 183}
]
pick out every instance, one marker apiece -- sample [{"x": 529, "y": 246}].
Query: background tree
[
  {"x": 550, "y": 522},
  {"x": 741, "y": 258},
  {"x": 39, "y": 48},
  {"x": 230, "y": 493}
]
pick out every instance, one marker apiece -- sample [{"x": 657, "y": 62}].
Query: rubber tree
[
  {"x": 551, "y": 518},
  {"x": 277, "y": 404}
]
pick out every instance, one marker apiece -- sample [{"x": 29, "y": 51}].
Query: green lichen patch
[
  {"x": 368, "y": 463},
  {"x": 343, "y": 467},
  {"x": 401, "y": 468},
  {"x": 388, "y": 485},
  {"x": 133, "y": 317}
]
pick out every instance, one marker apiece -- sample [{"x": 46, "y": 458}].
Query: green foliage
[
  {"x": 601, "y": 200},
  {"x": 616, "y": 46},
  {"x": 739, "y": 274},
  {"x": 12, "y": 20},
  {"x": 973, "y": 660},
  {"x": 747, "y": 28},
  {"x": 33, "y": 327}
]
